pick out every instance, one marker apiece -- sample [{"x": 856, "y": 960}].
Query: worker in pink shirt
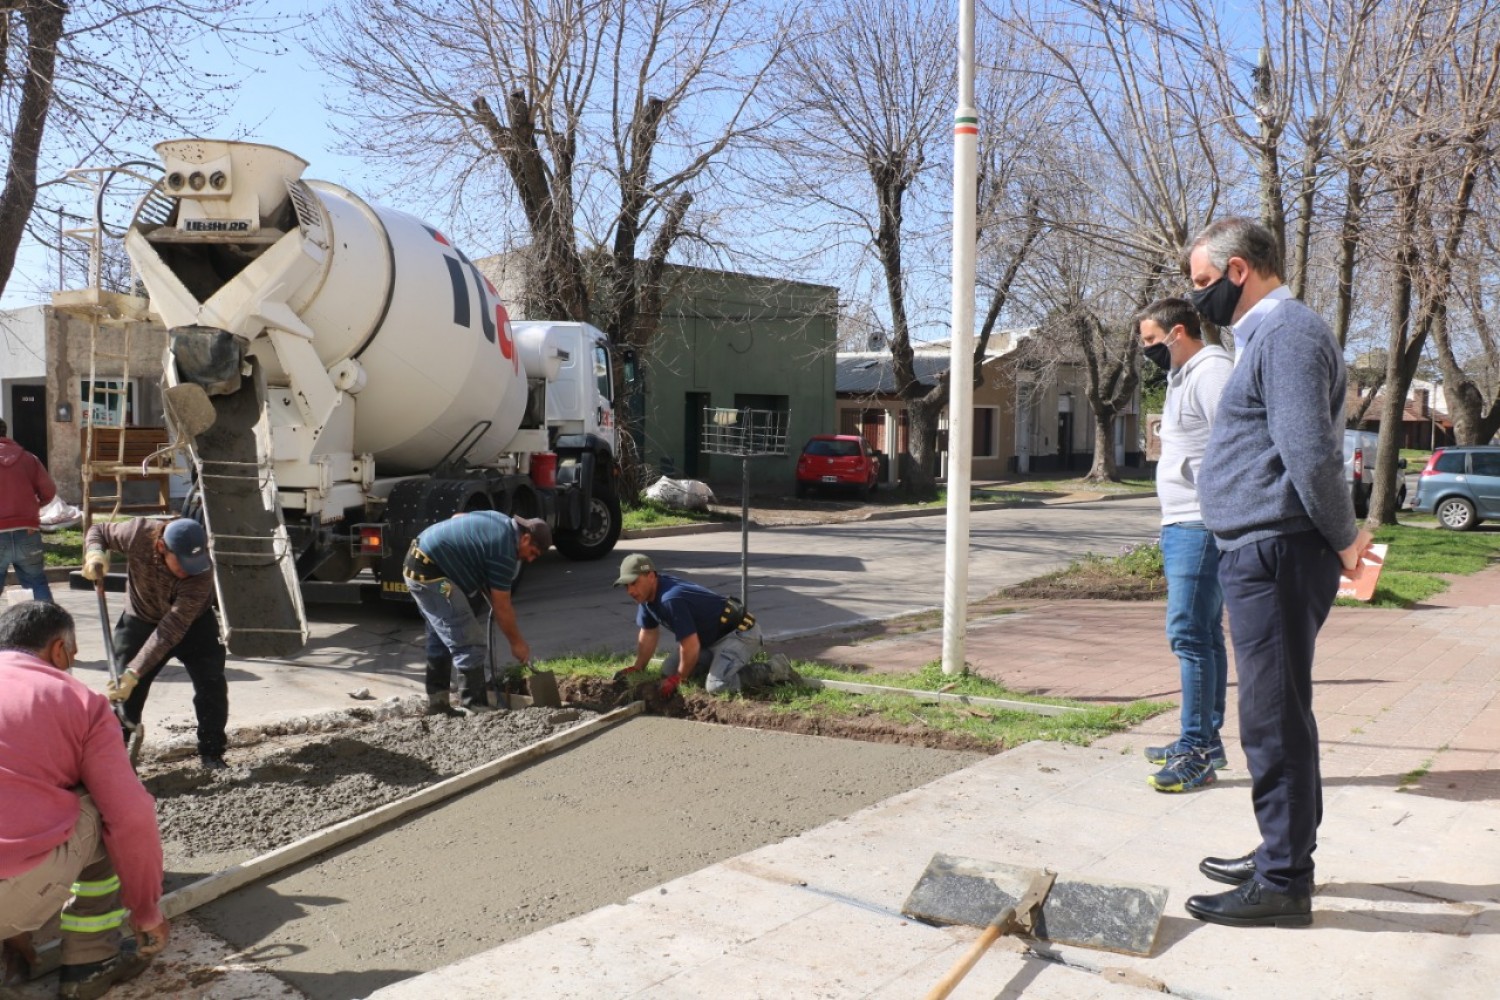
[
  {"x": 78, "y": 830},
  {"x": 25, "y": 488}
]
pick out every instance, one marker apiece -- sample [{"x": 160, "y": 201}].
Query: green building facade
[{"x": 737, "y": 341}]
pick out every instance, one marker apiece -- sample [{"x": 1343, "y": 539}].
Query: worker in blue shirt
[
  {"x": 454, "y": 567},
  {"x": 714, "y": 634}
]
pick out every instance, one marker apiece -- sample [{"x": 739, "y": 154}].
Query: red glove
[
  {"x": 669, "y": 685},
  {"x": 621, "y": 676}
]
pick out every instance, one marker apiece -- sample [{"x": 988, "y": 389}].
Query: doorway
[
  {"x": 1065, "y": 440},
  {"x": 28, "y": 418},
  {"x": 692, "y": 433}
]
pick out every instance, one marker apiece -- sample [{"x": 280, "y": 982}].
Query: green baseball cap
[{"x": 634, "y": 565}]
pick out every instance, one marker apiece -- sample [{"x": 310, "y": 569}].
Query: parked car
[
  {"x": 1461, "y": 486},
  {"x": 1360, "y": 451},
  {"x": 837, "y": 461}
]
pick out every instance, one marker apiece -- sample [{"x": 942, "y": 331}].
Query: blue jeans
[
  {"x": 1195, "y": 628},
  {"x": 22, "y": 548}
]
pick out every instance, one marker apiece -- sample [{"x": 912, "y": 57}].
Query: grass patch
[
  {"x": 650, "y": 514},
  {"x": 998, "y": 728},
  {"x": 63, "y": 548},
  {"x": 1412, "y": 777},
  {"x": 1135, "y": 574},
  {"x": 1419, "y": 557},
  {"x": 995, "y": 727}
]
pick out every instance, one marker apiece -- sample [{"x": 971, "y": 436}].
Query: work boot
[
  {"x": 93, "y": 980},
  {"x": 781, "y": 670},
  {"x": 212, "y": 762},
  {"x": 476, "y": 693},
  {"x": 438, "y": 704}
]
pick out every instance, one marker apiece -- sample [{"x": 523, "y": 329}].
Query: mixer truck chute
[{"x": 343, "y": 376}]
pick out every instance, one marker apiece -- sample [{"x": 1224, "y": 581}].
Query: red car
[{"x": 841, "y": 461}]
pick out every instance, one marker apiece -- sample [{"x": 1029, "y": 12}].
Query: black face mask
[
  {"x": 1216, "y": 302},
  {"x": 1159, "y": 354}
]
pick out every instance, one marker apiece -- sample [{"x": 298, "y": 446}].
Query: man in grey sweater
[
  {"x": 1197, "y": 372},
  {"x": 1272, "y": 492}
]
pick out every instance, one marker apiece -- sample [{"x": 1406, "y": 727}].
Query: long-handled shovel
[
  {"x": 136, "y": 732},
  {"x": 1114, "y": 916}
]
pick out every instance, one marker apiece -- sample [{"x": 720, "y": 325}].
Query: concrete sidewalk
[{"x": 1408, "y": 900}]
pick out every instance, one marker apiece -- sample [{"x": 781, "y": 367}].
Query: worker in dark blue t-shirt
[
  {"x": 712, "y": 632},
  {"x": 456, "y": 565}
]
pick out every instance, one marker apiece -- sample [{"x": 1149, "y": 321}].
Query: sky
[{"x": 281, "y": 104}]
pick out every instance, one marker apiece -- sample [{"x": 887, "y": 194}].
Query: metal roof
[{"x": 872, "y": 373}]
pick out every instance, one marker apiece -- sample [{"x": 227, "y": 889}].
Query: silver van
[{"x": 1360, "y": 451}]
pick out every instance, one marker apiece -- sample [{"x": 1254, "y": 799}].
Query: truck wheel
[
  {"x": 1456, "y": 514},
  {"x": 597, "y": 537}
]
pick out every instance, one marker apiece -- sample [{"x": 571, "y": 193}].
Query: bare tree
[
  {"x": 867, "y": 92},
  {"x": 1446, "y": 121},
  {"x": 83, "y": 81},
  {"x": 1140, "y": 175},
  {"x": 600, "y": 121}
]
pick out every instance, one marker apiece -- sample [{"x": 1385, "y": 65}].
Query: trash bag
[
  {"x": 684, "y": 494},
  {"x": 59, "y": 515}
]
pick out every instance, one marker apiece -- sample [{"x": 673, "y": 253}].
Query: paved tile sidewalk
[{"x": 1396, "y": 691}]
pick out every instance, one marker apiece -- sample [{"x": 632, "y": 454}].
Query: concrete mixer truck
[{"x": 342, "y": 376}]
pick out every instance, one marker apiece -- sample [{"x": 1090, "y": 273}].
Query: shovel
[
  {"x": 1003, "y": 899},
  {"x": 135, "y": 731}
]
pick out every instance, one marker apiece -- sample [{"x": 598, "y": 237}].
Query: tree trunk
[
  {"x": 919, "y": 473},
  {"x": 44, "y": 27},
  {"x": 1104, "y": 468},
  {"x": 1349, "y": 237}
]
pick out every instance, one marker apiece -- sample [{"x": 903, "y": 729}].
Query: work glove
[
  {"x": 623, "y": 676},
  {"x": 151, "y": 940},
  {"x": 95, "y": 565},
  {"x": 669, "y": 685},
  {"x": 121, "y": 691}
]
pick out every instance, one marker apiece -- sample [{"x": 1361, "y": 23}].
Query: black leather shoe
[
  {"x": 1253, "y": 905},
  {"x": 1230, "y": 871}
]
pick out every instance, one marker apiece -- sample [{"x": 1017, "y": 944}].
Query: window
[
  {"x": 1485, "y": 463},
  {"x": 112, "y": 398},
  {"x": 833, "y": 449},
  {"x": 1450, "y": 461},
  {"x": 986, "y": 432},
  {"x": 601, "y": 372}
]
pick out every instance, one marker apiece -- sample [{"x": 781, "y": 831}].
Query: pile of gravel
[{"x": 288, "y": 792}]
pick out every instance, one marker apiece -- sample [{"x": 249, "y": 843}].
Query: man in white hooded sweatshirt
[{"x": 1197, "y": 372}]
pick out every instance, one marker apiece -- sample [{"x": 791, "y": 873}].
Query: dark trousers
[
  {"x": 201, "y": 652},
  {"x": 1278, "y": 592}
]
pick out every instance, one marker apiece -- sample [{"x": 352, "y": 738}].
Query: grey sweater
[{"x": 1274, "y": 464}]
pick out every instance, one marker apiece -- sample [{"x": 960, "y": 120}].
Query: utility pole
[{"x": 961, "y": 348}]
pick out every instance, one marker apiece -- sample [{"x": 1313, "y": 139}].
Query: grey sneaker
[
  {"x": 1160, "y": 755},
  {"x": 1184, "y": 772}
]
